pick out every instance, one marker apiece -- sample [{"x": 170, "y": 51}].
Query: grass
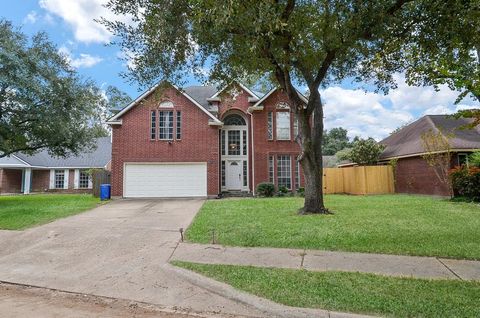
[
  {"x": 351, "y": 292},
  {"x": 390, "y": 224},
  {"x": 19, "y": 212}
]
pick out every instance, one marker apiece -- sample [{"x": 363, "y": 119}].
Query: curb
[{"x": 267, "y": 307}]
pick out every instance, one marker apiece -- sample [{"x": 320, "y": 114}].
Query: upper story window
[
  {"x": 153, "y": 124},
  {"x": 295, "y": 126},
  {"x": 234, "y": 120},
  {"x": 179, "y": 125},
  {"x": 166, "y": 104},
  {"x": 165, "y": 131},
  {"x": 283, "y": 125},
  {"x": 270, "y": 125}
]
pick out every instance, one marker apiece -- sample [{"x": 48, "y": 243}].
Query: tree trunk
[{"x": 310, "y": 140}]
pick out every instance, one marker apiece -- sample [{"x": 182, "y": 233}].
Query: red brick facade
[
  {"x": 10, "y": 180},
  {"x": 414, "y": 175},
  {"x": 132, "y": 143},
  {"x": 200, "y": 141}
]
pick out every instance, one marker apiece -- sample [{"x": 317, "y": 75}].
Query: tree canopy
[
  {"x": 335, "y": 140},
  {"x": 312, "y": 43},
  {"x": 44, "y": 103}
]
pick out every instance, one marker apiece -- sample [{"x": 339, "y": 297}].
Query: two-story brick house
[{"x": 200, "y": 141}]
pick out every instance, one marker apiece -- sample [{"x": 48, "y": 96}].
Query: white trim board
[{"x": 115, "y": 120}]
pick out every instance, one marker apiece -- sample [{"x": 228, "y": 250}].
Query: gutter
[{"x": 253, "y": 151}]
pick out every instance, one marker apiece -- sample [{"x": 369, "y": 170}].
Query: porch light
[{"x": 232, "y": 146}]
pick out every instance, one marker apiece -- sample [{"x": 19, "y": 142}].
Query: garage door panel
[{"x": 165, "y": 180}]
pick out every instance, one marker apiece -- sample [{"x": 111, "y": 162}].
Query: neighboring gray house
[{"x": 21, "y": 173}]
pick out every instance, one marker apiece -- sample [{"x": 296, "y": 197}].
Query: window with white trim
[
  {"x": 59, "y": 179},
  {"x": 153, "y": 124},
  {"x": 179, "y": 125},
  {"x": 234, "y": 142},
  {"x": 271, "y": 169},
  {"x": 284, "y": 171},
  {"x": 245, "y": 173},
  {"x": 270, "y": 125},
  {"x": 244, "y": 142},
  {"x": 222, "y": 142},
  {"x": 165, "y": 129},
  {"x": 83, "y": 179},
  {"x": 283, "y": 126},
  {"x": 223, "y": 173}
]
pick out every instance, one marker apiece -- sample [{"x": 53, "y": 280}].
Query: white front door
[{"x": 234, "y": 175}]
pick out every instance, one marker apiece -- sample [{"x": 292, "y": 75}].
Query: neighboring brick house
[
  {"x": 200, "y": 141},
  {"x": 21, "y": 173},
  {"x": 413, "y": 174}
]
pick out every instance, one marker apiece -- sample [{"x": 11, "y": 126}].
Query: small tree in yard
[
  {"x": 44, "y": 103},
  {"x": 365, "y": 152},
  {"x": 438, "y": 156},
  {"x": 311, "y": 43}
]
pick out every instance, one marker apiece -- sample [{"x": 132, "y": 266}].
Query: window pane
[
  {"x": 223, "y": 173},
  {"x": 165, "y": 125},
  {"x": 179, "y": 125},
  {"x": 59, "y": 179},
  {"x": 244, "y": 173},
  {"x": 271, "y": 173},
  {"x": 283, "y": 125},
  {"x": 84, "y": 177},
  {"x": 284, "y": 175},
  {"x": 234, "y": 142},
  {"x": 153, "y": 124},
  {"x": 244, "y": 140},
  {"x": 222, "y": 143},
  {"x": 270, "y": 126}
]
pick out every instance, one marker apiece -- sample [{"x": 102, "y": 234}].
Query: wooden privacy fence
[
  {"x": 99, "y": 176},
  {"x": 359, "y": 180}
]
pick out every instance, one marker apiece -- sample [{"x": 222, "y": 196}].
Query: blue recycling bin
[{"x": 105, "y": 191}]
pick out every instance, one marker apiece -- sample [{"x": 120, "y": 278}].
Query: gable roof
[
  {"x": 261, "y": 100},
  {"x": 250, "y": 92},
  {"x": 116, "y": 119},
  {"x": 97, "y": 158},
  {"x": 408, "y": 140}
]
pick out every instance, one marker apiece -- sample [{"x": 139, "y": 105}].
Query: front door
[{"x": 234, "y": 175}]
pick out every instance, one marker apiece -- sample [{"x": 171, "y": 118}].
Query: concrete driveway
[{"x": 118, "y": 250}]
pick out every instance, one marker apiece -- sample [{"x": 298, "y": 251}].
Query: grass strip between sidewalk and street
[{"x": 350, "y": 292}]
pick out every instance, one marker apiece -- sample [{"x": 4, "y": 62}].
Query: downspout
[{"x": 253, "y": 152}]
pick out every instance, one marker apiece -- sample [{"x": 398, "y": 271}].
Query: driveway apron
[{"x": 116, "y": 250}]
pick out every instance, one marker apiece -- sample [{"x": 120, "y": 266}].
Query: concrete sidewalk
[{"x": 314, "y": 260}]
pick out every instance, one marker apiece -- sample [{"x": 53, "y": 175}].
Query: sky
[{"x": 71, "y": 25}]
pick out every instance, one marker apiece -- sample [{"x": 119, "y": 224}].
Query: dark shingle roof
[
  {"x": 95, "y": 159},
  {"x": 200, "y": 94},
  {"x": 408, "y": 140}
]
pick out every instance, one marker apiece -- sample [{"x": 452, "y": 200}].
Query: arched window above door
[{"x": 234, "y": 120}]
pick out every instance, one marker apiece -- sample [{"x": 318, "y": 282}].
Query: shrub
[
  {"x": 466, "y": 182},
  {"x": 301, "y": 191},
  {"x": 474, "y": 159},
  {"x": 282, "y": 191},
  {"x": 266, "y": 189}
]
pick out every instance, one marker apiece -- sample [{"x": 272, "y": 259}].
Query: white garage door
[{"x": 165, "y": 180}]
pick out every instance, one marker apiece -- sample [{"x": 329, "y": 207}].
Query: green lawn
[
  {"x": 19, "y": 212},
  {"x": 392, "y": 224},
  {"x": 351, "y": 292}
]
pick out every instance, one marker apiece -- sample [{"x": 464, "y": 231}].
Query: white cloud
[
  {"x": 361, "y": 113},
  {"x": 369, "y": 114},
  {"x": 31, "y": 17},
  {"x": 128, "y": 58},
  {"x": 80, "y": 15},
  {"x": 84, "y": 60}
]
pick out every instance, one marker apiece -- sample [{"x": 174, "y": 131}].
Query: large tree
[
  {"x": 44, "y": 103},
  {"x": 443, "y": 50},
  {"x": 311, "y": 43},
  {"x": 335, "y": 140}
]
